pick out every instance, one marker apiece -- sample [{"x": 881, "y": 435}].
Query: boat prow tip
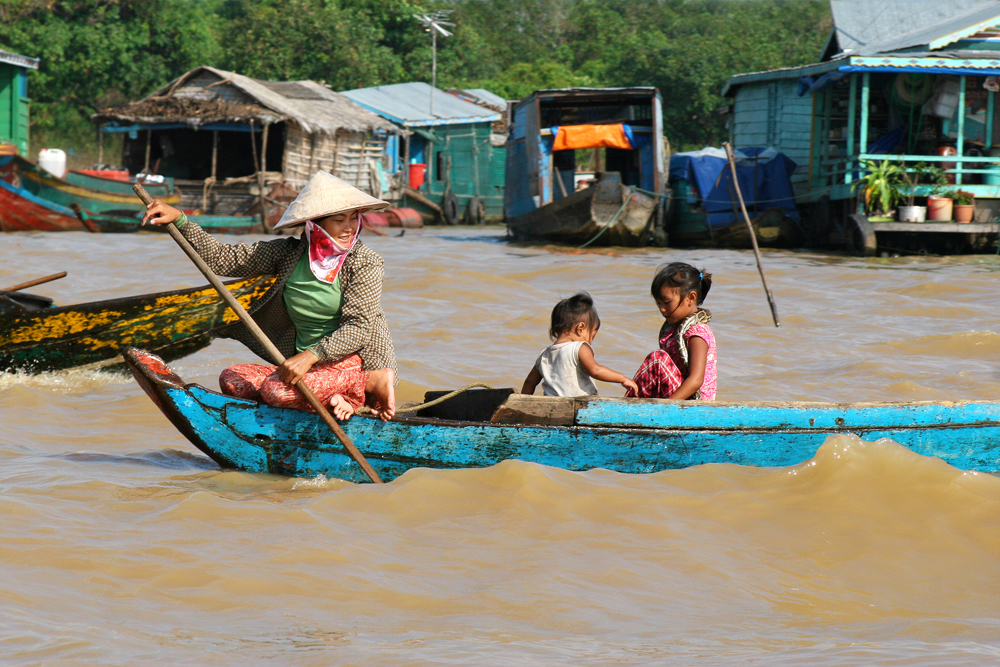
[{"x": 151, "y": 367}]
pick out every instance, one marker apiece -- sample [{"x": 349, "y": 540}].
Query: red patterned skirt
[
  {"x": 257, "y": 382},
  {"x": 657, "y": 377}
]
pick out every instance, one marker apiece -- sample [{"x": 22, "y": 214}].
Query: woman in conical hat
[{"x": 323, "y": 312}]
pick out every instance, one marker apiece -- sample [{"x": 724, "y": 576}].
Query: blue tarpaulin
[{"x": 764, "y": 176}]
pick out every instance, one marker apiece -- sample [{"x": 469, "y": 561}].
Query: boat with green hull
[{"x": 35, "y": 337}]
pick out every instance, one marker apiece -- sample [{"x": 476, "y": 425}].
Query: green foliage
[
  {"x": 880, "y": 186},
  {"x": 923, "y": 173},
  {"x": 961, "y": 197},
  {"x": 98, "y": 53}
]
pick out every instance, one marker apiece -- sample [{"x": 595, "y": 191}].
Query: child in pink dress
[{"x": 685, "y": 365}]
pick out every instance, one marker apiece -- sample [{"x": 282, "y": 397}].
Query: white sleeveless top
[{"x": 561, "y": 371}]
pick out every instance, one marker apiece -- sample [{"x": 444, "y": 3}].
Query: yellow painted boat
[{"x": 36, "y": 338}]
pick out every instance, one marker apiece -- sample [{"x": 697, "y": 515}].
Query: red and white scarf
[{"x": 326, "y": 256}]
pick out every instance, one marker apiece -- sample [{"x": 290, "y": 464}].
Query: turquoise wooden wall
[
  {"x": 14, "y": 107},
  {"x": 770, "y": 113},
  {"x": 477, "y": 167}
]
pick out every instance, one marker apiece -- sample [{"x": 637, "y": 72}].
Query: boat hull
[
  {"x": 21, "y": 211},
  {"x": 40, "y": 183},
  {"x": 125, "y": 224},
  {"x": 581, "y": 217},
  {"x": 156, "y": 190},
  {"x": 625, "y": 435},
  {"x": 173, "y": 323}
]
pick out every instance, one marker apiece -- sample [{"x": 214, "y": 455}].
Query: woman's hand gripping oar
[{"x": 262, "y": 339}]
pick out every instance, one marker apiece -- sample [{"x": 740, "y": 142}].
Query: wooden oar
[
  {"x": 262, "y": 339},
  {"x": 753, "y": 236},
  {"x": 36, "y": 281}
]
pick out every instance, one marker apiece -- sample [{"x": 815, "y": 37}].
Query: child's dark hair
[
  {"x": 577, "y": 308},
  {"x": 684, "y": 277}
]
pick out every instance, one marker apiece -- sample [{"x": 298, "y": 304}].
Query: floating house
[
  {"x": 908, "y": 82},
  {"x": 549, "y": 130},
  {"x": 14, "y": 100},
  {"x": 456, "y": 144},
  {"x": 210, "y": 126}
]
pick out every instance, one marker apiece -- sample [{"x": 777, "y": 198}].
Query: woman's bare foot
[
  {"x": 381, "y": 392},
  {"x": 341, "y": 408}
]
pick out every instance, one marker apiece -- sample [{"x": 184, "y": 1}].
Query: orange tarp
[{"x": 591, "y": 136}]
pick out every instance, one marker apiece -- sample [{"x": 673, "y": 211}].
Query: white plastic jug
[{"x": 53, "y": 161}]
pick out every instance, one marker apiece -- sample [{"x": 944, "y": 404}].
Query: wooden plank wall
[
  {"x": 347, "y": 155},
  {"x": 770, "y": 113}
]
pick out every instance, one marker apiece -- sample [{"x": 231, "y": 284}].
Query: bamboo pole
[
  {"x": 262, "y": 338},
  {"x": 145, "y": 166},
  {"x": 753, "y": 236}
]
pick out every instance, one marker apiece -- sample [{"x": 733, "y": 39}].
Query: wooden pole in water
[
  {"x": 260, "y": 176},
  {"x": 753, "y": 236},
  {"x": 149, "y": 138},
  {"x": 263, "y": 339}
]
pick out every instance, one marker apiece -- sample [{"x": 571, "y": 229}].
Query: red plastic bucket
[
  {"x": 403, "y": 217},
  {"x": 417, "y": 175}
]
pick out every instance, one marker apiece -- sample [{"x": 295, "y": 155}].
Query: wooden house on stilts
[
  {"x": 905, "y": 82},
  {"x": 229, "y": 140}
]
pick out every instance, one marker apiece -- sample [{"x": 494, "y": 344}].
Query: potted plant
[
  {"x": 965, "y": 205},
  {"x": 880, "y": 186},
  {"x": 921, "y": 174},
  {"x": 939, "y": 204}
]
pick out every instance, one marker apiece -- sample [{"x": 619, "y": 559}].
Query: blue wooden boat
[
  {"x": 541, "y": 201},
  {"x": 484, "y": 427}
]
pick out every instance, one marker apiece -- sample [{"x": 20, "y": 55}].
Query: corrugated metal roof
[
  {"x": 313, "y": 106},
  {"x": 409, "y": 105},
  {"x": 876, "y": 26},
  {"x": 18, "y": 59},
  {"x": 783, "y": 73},
  {"x": 488, "y": 97}
]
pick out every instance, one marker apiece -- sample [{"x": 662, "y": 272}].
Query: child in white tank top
[{"x": 566, "y": 367}]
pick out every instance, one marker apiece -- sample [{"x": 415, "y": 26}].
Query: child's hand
[{"x": 630, "y": 385}]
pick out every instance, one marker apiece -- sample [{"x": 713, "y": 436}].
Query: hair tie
[{"x": 701, "y": 276}]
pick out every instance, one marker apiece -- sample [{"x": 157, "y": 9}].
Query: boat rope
[
  {"x": 364, "y": 409},
  {"x": 610, "y": 222}
]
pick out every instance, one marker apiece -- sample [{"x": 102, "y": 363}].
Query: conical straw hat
[{"x": 324, "y": 195}]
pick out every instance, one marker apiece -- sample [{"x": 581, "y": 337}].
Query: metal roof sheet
[
  {"x": 409, "y": 105},
  {"x": 877, "y": 26},
  {"x": 18, "y": 59},
  {"x": 488, "y": 97}
]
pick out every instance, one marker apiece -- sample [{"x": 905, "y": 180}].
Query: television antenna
[{"x": 435, "y": 23}]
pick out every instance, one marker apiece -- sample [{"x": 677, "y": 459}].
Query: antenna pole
[{"x": 434, "y": 66}]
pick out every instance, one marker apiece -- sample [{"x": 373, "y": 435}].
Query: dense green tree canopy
[{"x": 97, "y": 53}]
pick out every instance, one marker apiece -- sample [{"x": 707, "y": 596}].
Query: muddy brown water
[{"x": 121, "y": 544}]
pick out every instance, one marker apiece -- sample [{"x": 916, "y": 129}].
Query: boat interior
[{"x": 500, "y": 406}]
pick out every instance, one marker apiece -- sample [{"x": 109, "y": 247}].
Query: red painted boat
[{"x": 22, "y": 211}]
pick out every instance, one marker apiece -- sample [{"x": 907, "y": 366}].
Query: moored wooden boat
[
  {"x": 174, "y": 323},
  {"x": 483, "y": 427},
  {"x": 126, "y": 222},
  {"x": 21, "y": 211},
  {"x": 94, "y": 182},
  {"x": 22, "y": 173},
  {"x": 594, "y": 214}
]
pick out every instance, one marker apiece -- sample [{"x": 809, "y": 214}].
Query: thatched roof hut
[{"x": 209, "y": 125}]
